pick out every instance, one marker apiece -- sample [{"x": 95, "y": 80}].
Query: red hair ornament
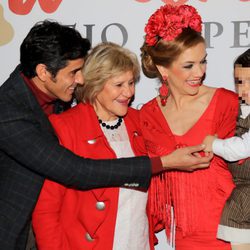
[{"x": 169, "y": 21}]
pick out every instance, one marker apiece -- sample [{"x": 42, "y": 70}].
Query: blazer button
[
  {"x": 100, "y": 205},
  {"x": 93, "y": 141},
  {"x": 88, "y": 237}
]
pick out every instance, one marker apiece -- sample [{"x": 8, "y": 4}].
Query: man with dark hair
[{"x": 52, "y": 58}]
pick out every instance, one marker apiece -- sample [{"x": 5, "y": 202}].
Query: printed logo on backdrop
[
  {"x": 7, "y": 31},
  {"x": 212, "y": 30},
  {"x": 179, "y": 2},
  {"x": 22, "y": 7}
]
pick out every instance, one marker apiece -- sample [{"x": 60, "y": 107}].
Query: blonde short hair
[{"x": 105, "y": 60}]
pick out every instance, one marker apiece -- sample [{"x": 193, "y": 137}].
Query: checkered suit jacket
[{"x": 29, "y": 152}]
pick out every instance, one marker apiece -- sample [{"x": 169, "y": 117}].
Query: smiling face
[
  {"x": 63, "y": 85},
  {"x": 186, "y": 73},
  {"x": 113, "y": 100},
  {"x": 242, "y": 81}
]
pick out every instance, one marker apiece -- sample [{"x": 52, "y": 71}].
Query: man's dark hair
[{"x": 52, "y": 44}]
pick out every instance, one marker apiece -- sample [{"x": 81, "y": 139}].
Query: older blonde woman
[{"x": 102, "y": 126}]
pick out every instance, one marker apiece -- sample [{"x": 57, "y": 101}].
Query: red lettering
[
  {"x": 172, "y": 2},
  {"x": 21, "y": 8},
  {"x": 49, "y": 6}
]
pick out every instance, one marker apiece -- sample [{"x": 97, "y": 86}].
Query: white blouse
[{"x": 131, "y": 229}]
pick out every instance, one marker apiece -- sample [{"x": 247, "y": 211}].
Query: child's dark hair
[{"x": 243, "y": 60}]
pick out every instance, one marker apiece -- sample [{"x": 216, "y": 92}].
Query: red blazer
[{"x": 67, "y": 219}]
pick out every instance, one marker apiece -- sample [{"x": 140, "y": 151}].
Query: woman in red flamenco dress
[{"x": 182, "y": 115}]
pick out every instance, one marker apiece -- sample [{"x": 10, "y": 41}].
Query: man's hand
[{"x": 187, "y": 159}]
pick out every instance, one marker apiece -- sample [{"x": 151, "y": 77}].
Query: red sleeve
[
  {"x": 156, "y": 165},
  {"x": 226, "y": 114},
  {"x": 225, "y": 117},
  {"x": 46, "y": 223}
]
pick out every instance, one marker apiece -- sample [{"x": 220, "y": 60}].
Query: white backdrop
[{"x": 226, "y": 29}]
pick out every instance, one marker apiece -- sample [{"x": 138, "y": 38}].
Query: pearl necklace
[{"x": 112, "y": 127}]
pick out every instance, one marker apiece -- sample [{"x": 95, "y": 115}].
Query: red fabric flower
[{"x": 168, "y": 22}]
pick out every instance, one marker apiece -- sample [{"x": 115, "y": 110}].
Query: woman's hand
[{"x": 208, "y": 142}]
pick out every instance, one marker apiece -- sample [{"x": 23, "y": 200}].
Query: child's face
[{"x": 242, "y": 82}]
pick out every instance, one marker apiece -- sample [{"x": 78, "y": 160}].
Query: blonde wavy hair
[{"x": 105, "y": 61}]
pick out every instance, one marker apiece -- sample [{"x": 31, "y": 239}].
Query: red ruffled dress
[{"x": 197, "y": 198}]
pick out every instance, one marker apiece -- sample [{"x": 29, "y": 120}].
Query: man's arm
[{"x": 35, "y": 148}]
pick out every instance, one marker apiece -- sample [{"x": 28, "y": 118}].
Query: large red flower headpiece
[{"x": 168, "y": 21}]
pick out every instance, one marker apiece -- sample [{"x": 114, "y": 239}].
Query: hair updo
[{"x": 164, "y": 53}]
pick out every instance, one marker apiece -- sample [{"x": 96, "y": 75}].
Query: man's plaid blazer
[{"x": 29, "y": 153}]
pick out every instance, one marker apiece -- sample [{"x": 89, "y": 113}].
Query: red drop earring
[{"x": 164, "y": 91}]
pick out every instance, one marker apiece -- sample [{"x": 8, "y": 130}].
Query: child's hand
[{"x": 208, "y": 142}]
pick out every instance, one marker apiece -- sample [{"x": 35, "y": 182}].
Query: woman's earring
[{"x": 164, "y": 91}]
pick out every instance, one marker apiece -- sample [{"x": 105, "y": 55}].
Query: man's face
[
  {"x": 63, "y": 85},
  {"x": 242, "y": 82}
]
